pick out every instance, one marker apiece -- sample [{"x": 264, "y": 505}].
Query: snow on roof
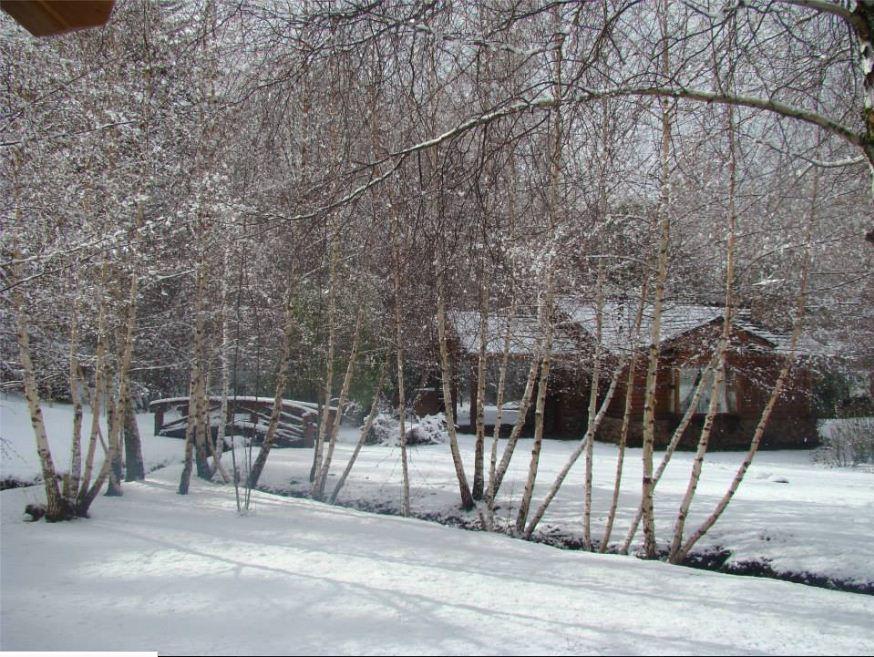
[
  {"x": 524, "y": 334},
  {"x": 617, "y": 330}
]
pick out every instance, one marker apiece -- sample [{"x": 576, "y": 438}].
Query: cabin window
[{"x": 688, "y": 379}]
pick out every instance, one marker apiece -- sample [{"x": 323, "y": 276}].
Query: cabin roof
[
  {"x": 618, "y": 319},
  {"x": 524, "y": 334},
  {"x": 617, "y": 328}
]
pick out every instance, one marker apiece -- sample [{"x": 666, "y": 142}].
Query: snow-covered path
[{"x": 153, "y": 570}]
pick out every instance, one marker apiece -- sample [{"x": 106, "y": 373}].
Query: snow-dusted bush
[
  {"x": 429, "y": 430},
  {"x": 384, "y": 429},
  {"x": 847, "y": 441}
]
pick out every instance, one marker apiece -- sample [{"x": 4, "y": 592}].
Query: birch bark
[
  {"x": 593, "y": 405},
  {"x": 587, "y": 438},
  {"x": 56, "y": 506},
  {"x": 682, "y": 551},
  {"x": 365, "y": 430},
  {"x": 329, "y": 361},
  {"x": 626, "y": 416},
  {"x": 281, "y": 383},
  {"x": 322, "y": 478},
  {"x": 649, "y": 545},
  {"x": 467, "y": 502}
]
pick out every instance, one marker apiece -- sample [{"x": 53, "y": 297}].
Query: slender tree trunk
[
  {"x": 99, "y": 374},
  {"x": 281, "y": 383},
  {"x": 203, "y": 431},
  {"x": 223, "y": 356},
  {"x": 546, "y": 323},
  {"x": 593, "y": 405},
  {"x": 626, "y": 415},
  {"x": 524, "y": 406},
  {"x": 540, "y": 407},
  {"x": 365, "y": 430},
  {"x": 722, "y": 350},
  {"x": 671, "y": 448},
  {"x": 71, "y": 483},
  {"x": 679, "y": 554},
  {"x": 341, "y": 405},
  {"x": 56, "y": 506},
  {"x": 587, "y": 438},
  {"x": 399, "y": 347},
  {"x": 195, "y": 395},
  {"x": 479, "y": 449},
  {"x": 505, "y": 356},
  {"x": 329, "y": 363},
  {"x": 127, "y": 420},
  {"x": 467, "y": 502},
  {"x": 649, "y": 532},
  {"x": 499, "y": 416},
  {"x": 114, "y": 423}
]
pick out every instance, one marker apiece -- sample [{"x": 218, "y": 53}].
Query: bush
[
  {"x": 429, "y": 430},
  {"x": 847, "y": 442}
]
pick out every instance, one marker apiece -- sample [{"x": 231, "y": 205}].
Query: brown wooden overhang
[{"x": 49, "y": 17}]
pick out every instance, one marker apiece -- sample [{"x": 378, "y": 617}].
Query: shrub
[{"x": 847, "y": 442}]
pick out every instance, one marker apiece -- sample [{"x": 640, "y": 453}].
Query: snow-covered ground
[
  {"x": 187, "y": 575},
  {"x": 18, "y": 458},
  {"x": 799, "y": 516},
  {"x": 153, "y": 570},
  {"x": 795, "y": 514}
]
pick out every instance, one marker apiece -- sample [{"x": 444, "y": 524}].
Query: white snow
[
  {"x": 153, "y": 570},
  {"x": 186, "y": 575},
  {"x": 524, "y": 334},
  {"x": 18, "y": 458},
  {"x": 618, "y": 320},
  {"x": 821, "y": 521}
]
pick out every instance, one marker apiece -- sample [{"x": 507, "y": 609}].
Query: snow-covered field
[{"x": 153, "y": 570}]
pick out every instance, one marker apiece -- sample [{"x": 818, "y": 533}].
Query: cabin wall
[{"x": 751, "y": 376}]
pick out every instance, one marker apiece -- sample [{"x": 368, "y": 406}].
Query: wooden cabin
[
  {"x": 690, "y": 334},
  {"x": 566, "y": 399}
]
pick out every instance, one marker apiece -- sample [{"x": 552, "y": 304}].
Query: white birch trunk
[
  {"x": 329, "y": 363},
  {"x": 56, "y": 506},
  {"x": 71, "y": 484},
  {"x": 194, "y": 394},
  {"x": 467, "y": 502},
  {"x": 365, "y": 430},
  {"x": 322, "y": 478},
  {"x": 546, "y": 308},
  {"x": 682, "y": 551},
  {"x": 626, "y": 416},
  {"x": 524, "y": 406},
  {"x": 505, "y": 357},
  {"x": 99, "y": 373},
  {"x": 593, "y": 405},
  {"x": 649, "y": 543},
  {"x": 223, "y": 356},
  {"x": 540, "y": 407},
  {"x": 399, "y": 348},
  {"x": 587, "y": 439},
  {"x": 479, "y": 449},
  {"x": 725, "y": 337},
  {"x": 281, "y": 382},
  {"x": 669, "y": 451}
]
